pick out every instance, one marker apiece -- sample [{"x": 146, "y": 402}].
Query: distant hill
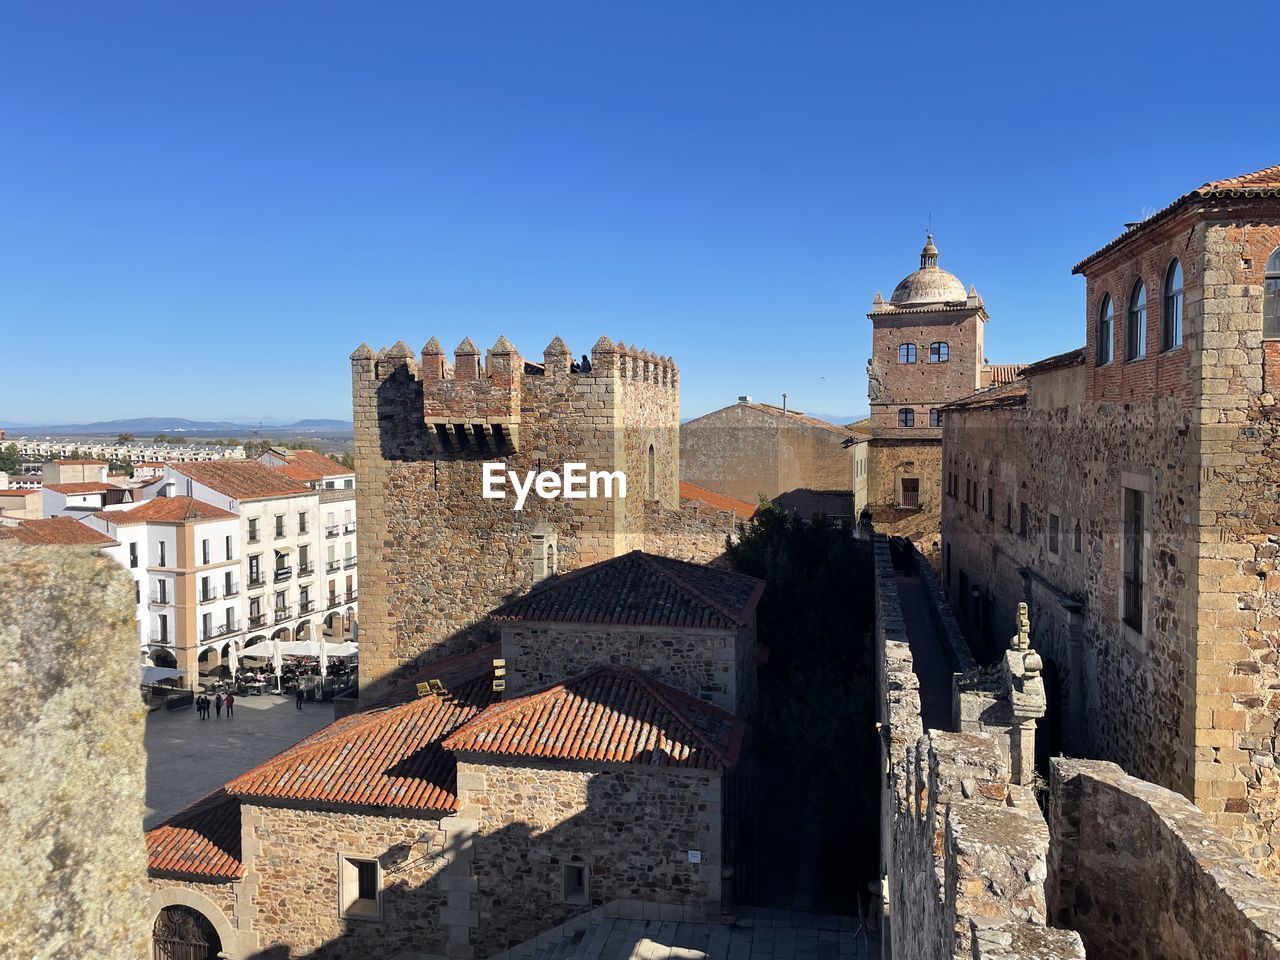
[{"x": 149, "y": 426}]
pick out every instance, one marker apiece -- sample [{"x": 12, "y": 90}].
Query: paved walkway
[
  {"x": 757, "y": 935},
  {"x": 932, "y": 668},
  {"x": 188, "y": 758}
]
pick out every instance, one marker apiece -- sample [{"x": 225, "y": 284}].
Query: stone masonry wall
[
  {"x": 964, "y": 852},
  {"x": 296, "y": 868},
  {"x": 72, "y": 762},
  {"x": 633, "y": 827},
  {"x": 698, "y": 534},
  {"x": 1142, "y": 874},
  {"x": 702, "y": 663},
  {"x": 888, "y": 462},
  {"x": 435, "y": 555}
]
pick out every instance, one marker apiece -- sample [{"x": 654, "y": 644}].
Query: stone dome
[{"x": 930, "y": 284}]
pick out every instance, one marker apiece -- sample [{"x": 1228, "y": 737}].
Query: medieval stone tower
[{"x": 435, "y": 555}]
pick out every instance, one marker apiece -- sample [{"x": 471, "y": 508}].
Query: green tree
[
  {"x": 10, "y": 459},
  {"x": 347, "y": 459},
  {"x": 124, "y": 438},
  {"x": 160, "y": 438}
]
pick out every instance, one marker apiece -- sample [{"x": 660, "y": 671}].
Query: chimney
[{"x": 784, "y": 404}]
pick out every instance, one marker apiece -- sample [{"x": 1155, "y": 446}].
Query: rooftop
[
  {"x": 166, "y": 510},
  {"x": 56, "y": 531},
  {"x": 1260, "y": 183},
  {"x": 640, "y": 589},
  {"x": 930, "y": 285},
  {"x": 309, "y": 465},
  {"x": 90, "y": 486},
  {"x": 719, "y": 501},
  {"x": 201, "y": 841},
  {"x": 610, "y": 715},
  {"x": 996, "y": 398},
  {"x": 241, "y": 479}
]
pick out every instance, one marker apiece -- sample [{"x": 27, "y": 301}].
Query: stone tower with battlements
[{"x": 435, "y": 555}]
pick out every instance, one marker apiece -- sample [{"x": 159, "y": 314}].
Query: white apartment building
[
  {"x": 184, "y": 556},
  {"x": 45, "y": 448},
  {"x": 289, "y": 592}
]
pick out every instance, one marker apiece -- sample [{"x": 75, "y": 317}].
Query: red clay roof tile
[
  {"x": 166, "y": 510},
  {"x": 720, "y": 501},
  {"x": 201, "y": 841},
  {"x": 609, "y": 715},
  {"x": 241, "y": 479},
  {"x": 89, "y": 486},
  {"x": 641, "y": 589},
  {"x": 56, "y": 531}
]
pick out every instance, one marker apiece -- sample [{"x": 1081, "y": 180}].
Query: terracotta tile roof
[
  {"x": 309, "y": 465},
  {"x": 201, "y": 841},
  {"x": 382, "y": 757},
  {"x": 796, "y": 415},
  {"x": 860, "y": 428},
  {"x": 610, "y": 715},
  {"x": 719, "y": 501},
  {"x": 997, "y": 398},
  {"x": 166, "y": 510},
  {"x": 241, "y": 479},
  {"x": 56, "y": 531},
  {"x": 12, "y": 492},
  {"x": 1260, "y": 183},
  {"x": 998, "y": 374},
  {"x": 1072, "y": 358},
  {"x": 458, "y": 669},
  {"x": 641, "y": 589},
  {"x": 92, "y": 486}
]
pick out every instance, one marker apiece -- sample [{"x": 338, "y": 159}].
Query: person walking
[
  {"x": 217, "y": 705},
  {"x": 231, "y": 705},
  {"x": 202, "y": 707},
  {"x": 298, "y": 696}
]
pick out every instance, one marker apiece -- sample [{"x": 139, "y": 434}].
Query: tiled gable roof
[
  {"x": 998, "y": 374},
  {"x": 309, "y": 465},
  {"x": 242, "y": 479},
  {"x": 609, "y": 715},
  {"x": 56, "y": 531},
  {"x": 1260, "y": 183},
  {"x": 88, "y": 486},
  {"x": 1072, "y": 358},
  {"x": 382, "y": 757},
  {"x": 996, "y": 398},
  {"x": 719, "y": 501},
  {"x": 166, "y": 510},
  {"x": 796, "y": 416},
  {"x": 201, "y": 841},
  {"x": 641, "y": 589}
]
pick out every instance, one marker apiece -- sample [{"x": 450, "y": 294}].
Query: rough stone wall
[
  {"x": 1238, "y": 568},
  {"x": 435, "y": 555},
  {"x": 888, "y": 462},
  {"x": 702, "y": 663},
  {"x": 1074, "y": 463},
  {"x": 1142, "y": 874},
  {"x": 72, "y": 763},
  {"x": 695, "y": 533},
  {"x": 633, "y": 828},
  {"x": 745, "y": 452},
  {"x": 964, "y": 852},
  {"x": 295, "y": 903}
]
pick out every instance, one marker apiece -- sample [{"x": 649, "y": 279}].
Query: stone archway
[{"x": 187, "y": 925}]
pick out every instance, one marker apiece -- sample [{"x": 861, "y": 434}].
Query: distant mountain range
[{"x": 146, "y": 427}]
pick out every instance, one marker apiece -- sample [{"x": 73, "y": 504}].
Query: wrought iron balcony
[
  {"x": 231, "y": 589},
  {"x": 332, "y": 566},
  {"x": 349, "y": 527},
  {"x": 306, "y": 569},
  {"x": 349, "y": 562},
  {"x": 283, "y": 613},
  {"x": 283, "y": 573},
  {"x": 257, "y": 620},
  {"x": 306, "y": 606},
  {"x": 331, "y": 530},
  {"x": 352, "y": 595},
  {"x": 220, "y": 630},
  {"x": 256, "y": 580}
]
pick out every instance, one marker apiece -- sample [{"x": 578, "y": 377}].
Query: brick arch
[{"x": 174, "y": 896}]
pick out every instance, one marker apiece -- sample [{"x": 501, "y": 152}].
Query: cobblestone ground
[
  {"x": 188, "y": 758},
  {"x": 757, "y": 935}
]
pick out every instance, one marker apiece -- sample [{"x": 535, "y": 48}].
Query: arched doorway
[{"x": 184, "y": 933}]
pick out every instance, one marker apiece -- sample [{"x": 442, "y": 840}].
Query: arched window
[
  {"x": 1135, "y": 331},
  {"x": 935, "y": 417},
  {"x": 906, "y": 417},
  {"x": 1106, "y": 315},
  {"x": 907, "y": 353},
  {"x": 545, "y": 554},
  {"x": 1171, "y": 308},
  {"x": 1271, "y": 297},
  {"x": 938, "y": 352}
]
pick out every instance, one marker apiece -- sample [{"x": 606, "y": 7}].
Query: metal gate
[{"x": 181, "y": 933}]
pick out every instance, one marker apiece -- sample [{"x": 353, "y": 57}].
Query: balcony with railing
[
  {"x": 220, "y": 630},
  {"x": 255, "y": 535},
  {"x": 349, "y": 562},
  {"x": 155, "y": 636},
  {"x": 230, "y": 589},
  {"x": 282, "y": 573},
  {"x": 306, "y": 569},
  {"x": 306, "y": 606},
  {"x": 349, "y": 527},
  {"x": 257, "y": 620},
  {"x": 335, "y": 600},
  {"x": 282, "y": 613},
  {"x": 332, "y": 566},
  {"x": 332, "y": 530},
  {"x": 352, "y": 596},
  {"x": 257, "y": 580},
  {"x": 161, "y": 599},
  {"x": 209, "y": 595}
]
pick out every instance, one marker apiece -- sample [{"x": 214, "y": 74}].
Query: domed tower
[
  {"x": 926, "y": 346},
  {"x": 926, "y": 351}
]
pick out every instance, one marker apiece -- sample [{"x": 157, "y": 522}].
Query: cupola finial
[{"x": 929, "y": 255}]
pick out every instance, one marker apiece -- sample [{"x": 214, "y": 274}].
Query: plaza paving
[{"x": 188, "y": 758}]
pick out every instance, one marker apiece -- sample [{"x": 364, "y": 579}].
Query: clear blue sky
[{"x": 205, "y": 208}]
